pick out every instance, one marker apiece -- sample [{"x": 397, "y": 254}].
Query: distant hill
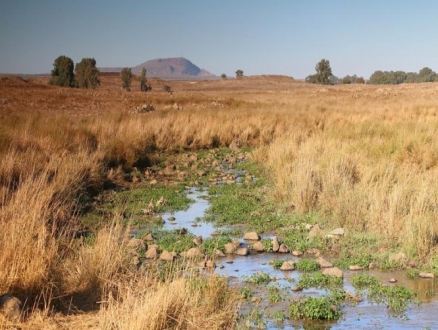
[{"x": 168, "y": 68}]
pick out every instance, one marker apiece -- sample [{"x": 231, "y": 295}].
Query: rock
[
  {"x": 175, "y": 106},
  {"x": 218, "y": 253},
  {"x": 167, "y": 256},
  {"x": 324, "y": 263},
  {"x": 355, "y": 267},
  {"x": 258, "y": 246},
  {"x": 315, "y": 231},
  {"x": 308, "y": 226},
  {"x": 148, "y": 237},
  {"x": 393, "y": 280},
  {"x": 136, "y": 243},
  {"x": 10, "y": 307},
  {"x": 275, "y": 244},
  {"x": 201, "y": 264},
  {"x": 153, "y": 182},
  {"x": 230, "y": 248},
  {"x": 352, "y": 297},
  {"x": 151, "y": 253},
  {"x": 215, "y": 233},
  {"x": 426, "y": 275},
  {"x": 210, "y": 264},
  {"x": 336, "y": 232},
  {"x": 372, "y": 265},
  {"x": 235, "y": 145},
  {"x": 283, "y": 249},
  {"x": 194, "y": 253},
  {"x": 297, "y": 288},
  {"x": 241, "y": 252},
  {"x": 288, "y": 265},
  {"x": 399, "y": 258},
  {"x": 314, "y": 252},
  {"x": 198, "y": 240},
  {"x": 297, "y": 253},
  {"x": 183, "y": 231},
  {"x": 172, "y": 219},
  {"x": 252, "y": 236},
  {"x": 333, "y": 271},
  {"x": 135, "y": 261},
  {"x": 236, "y": 243}
]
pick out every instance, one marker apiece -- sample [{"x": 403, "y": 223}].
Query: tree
[
  {"x": 239, "y": 73},
  {"x": 359, "y": 80},
  {"x": 143, "y": 80},
  {"x": 426, "y": 75},
  {"x": 126, "y": 76},
  {"x": 87, "y": 75},
  {"x": 224, "y": 76},
  {"x": 346, "y": 80},
  {"x": 62, "y": 73},
  {"x": 323, "y": 72}
]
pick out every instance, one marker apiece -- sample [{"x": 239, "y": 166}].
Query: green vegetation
[
  {"x": 239, "y": 73},
  {"x": 399, "y": 77},
  {"x": 211, "y": 243},
  {"x": 274, "y": 293},
  {"x": 395, "y": 297},
  {"x": 126, "y": 76},
  {"x": 307, "y": 265},
  {"x": 62, "y": 73},
  {"x": 245, "y": 292},
  {"x": 143, "y": 80},
  {"x": 258, "y": 278},
  {"x": 87, "y": 74},
  {"x": 172, "y": 240},
  {"x": 321, "y": 308},
  {"x": 319, "y": 280},
  {"x": 223, "y": 76},
  {"x": 323, "y": 73},
  {"x": 276, "y": 263}
]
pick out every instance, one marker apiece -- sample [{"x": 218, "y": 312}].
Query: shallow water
[{"x": 364, "y": 315}]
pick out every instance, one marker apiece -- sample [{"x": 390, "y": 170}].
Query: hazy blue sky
[{"x": 257, "y": 36}]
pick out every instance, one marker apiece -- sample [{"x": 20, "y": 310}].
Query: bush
[
  {"x": 126, "y": 76},
  {"x": 87, "y": 75},
  {"x": 62, "y": 73}
]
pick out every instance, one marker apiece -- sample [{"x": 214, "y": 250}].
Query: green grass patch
[
  {"x": 258, "y": 278},
  {"x": 395, "y": 297},
  {"x": 319, "y": 280},
  {"x": 216, "y": 242},
  {"x": 320, "y": 308},
  {"x": 307, "y": 265},
  {"x": 171, "y": 240}
]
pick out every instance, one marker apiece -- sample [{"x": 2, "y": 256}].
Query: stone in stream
[
  {"x": 210, "y": 264},
  {"x": 193, "y": 253},
  {"x": 241, "y": 252},
  {"x": 275, "y": 244},
  {"x": 10, "y": 307},
  {"x": 297, "y": 253},
  {"x": 148, "y": 237},
  {"x": 230, "y": 248},
  {"x": 324, "y": 263},
  {"x": 283, "y": 249},
  {"x": 393, "y": 280},
  {"x": 172, "y": 219},
  {"x": 151, "y": 253},
  {"x": 297, "y": 288},
  {"x": 334, "y": 271},
  {"x": 288, "y": 265},
  {"x": 426, "y": 275},
  {"x": 136, "y": 243},
  {"x": 218, "y": 253},
  {"x": 198, "y": 240},
  {"x": 167, "y": 256},
  {"x": 251, "y": 236},
  {"x": 258, "y": 246},
  {"x": 355, "y": 267},
  {"x": 236, "y": 243}
]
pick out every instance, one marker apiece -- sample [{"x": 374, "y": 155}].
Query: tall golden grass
[{"x": 365, "y": 158}]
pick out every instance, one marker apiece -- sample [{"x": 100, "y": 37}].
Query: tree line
[
  {"x": 86, "y": 75},
  {"x": 325, "y": 76}
]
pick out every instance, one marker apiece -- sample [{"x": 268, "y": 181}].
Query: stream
[{"x": 364, "y": 315}]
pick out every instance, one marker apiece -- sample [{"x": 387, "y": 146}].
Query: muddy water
[{"x": 364, "y": 315}]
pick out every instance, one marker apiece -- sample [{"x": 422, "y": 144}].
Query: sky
[{"x": 286, "y": 37}]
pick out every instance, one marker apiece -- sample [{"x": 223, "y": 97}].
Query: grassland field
[{"x": 360, "y": 157}]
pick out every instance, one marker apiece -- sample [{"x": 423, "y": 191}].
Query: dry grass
[{"x": 364, "y": 157}]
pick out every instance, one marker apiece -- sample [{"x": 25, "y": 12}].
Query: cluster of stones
[{"x": 145, "y": 108}]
